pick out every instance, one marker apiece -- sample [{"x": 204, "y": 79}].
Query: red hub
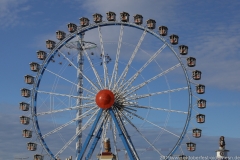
[{"x": 105, "y": 99}]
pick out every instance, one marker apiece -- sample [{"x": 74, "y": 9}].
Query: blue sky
[{"x": 209, "y": 28}]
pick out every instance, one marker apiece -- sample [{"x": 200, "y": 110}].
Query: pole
[{"x": 80, "y": 60}]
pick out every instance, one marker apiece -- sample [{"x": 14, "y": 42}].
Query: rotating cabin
[
  {"x": 24, "y": 106},
  {"x": 27, "y": 133},
  {"x": 191, "y": 146},
  {"x": 97, "y": 18},
  {"x": 24, "y": 120},
  {"x": 25, "y": 92},
  {"x": 191, "y": 61},
  {"x": 200, "y": 89},
  {"x": 200, "y": 118},
  {"x": 38, "y": 157},
  {"x": 183, "y": 157},
  {"x": 124, "y": 17},
  {"x": 183, "y": 50},
  {"x": 196, "y": 75},
  {"x": 41, "y": 55},
  {"x": 138, "y": 19},
  {"x": 151, "y": 24},
  {"x": 174, "y": 39},
  {"x": 29, "y": 79},
  {"x": 84, "y": 22},
  {"x": 34, "y": 66},
  {"x": 201, "y": 103},
  {"x": 72, "y": 27},
  {"x": 31, "y": 146},
  {"x": 111, "y": 16},
  {"x": 163, "y": 30},
  {"x": 50, "y": 44},
  {"x": 197, "y": 132},
  {"x": 60, "y": 35}
]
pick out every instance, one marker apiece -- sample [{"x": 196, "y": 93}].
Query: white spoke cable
[
  {"x": 115, "y": 69},
  {"x": 96, "y": 88},
  {"x": 68, "y": 81},
  {"x": 125, "y": 71},
  {"x": 70, "y": 122},
  {"x": 161, "y": 109},
  {"x": 66, "y": 95},
  {"x": 130, "y": 81},
  {"x": 86, "y": 125},
  {"x": 142, "y": 135},
  {"x": 66, "y": 109},
  {"x": 134, "y": 97},
  {"x": 151, "y": 123},
  {"x": 133, "y": 89},
  {"x": 91, "y": 64},
  {"x": 106, "y": 79}
]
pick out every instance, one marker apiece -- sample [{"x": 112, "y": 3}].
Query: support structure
[{"x": 80, "y": 60}]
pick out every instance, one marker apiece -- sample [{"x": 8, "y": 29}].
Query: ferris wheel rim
[{"x": 80, "y": 30}]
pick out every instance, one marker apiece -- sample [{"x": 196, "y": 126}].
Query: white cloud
[{"x": 10, "y": 10}]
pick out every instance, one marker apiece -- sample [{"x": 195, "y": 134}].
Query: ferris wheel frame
[{"x": 78, "y": 32}]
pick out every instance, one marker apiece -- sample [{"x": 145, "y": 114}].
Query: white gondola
[
  {"x": 50, "y": 44},
  {"x": 24, "y": 106},
  {"x": 196, "y": 75},
  {"x": 27, "y": 133},
  {"x": 197, "y": 132},
  {"x": 201, "y": 103},
  {"x": 38, "y": 157},
  {"x": 200, "y": 89},
  {"x": 124, "y": 16},
  {"x": 191, "y": 61},
  {"x": 151, "y": 24},
  {"x": 72, "y": 27},
  {"x": 111, "y": 16},
  {"x": 183, "y": 50},
  {"x": 191, "y": 146},
  {"x": 163, "y": 30},
  {"x": 25, "y": 92},
  {"x": 174, "y": 39},
  {"x": 138, "y": 19},
  {"x": 60, "y": 35},
  {"x": 24, "y": 120},
  {"x": 97, "y": 18},
  {"x": 31, "y": 146},
  {"x": 41, "y": 55},
  {"x": 29, "y": 79},
  {"x": 200, "y": 118},
  {"x": 84, "y": 21},
  {"x": 183, "y": 157},
  {"x": 34, "y": 66}
]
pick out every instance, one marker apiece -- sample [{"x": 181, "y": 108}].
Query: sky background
[{"x": 210, "y": 29}]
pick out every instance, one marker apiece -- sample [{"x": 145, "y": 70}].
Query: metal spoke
[
  {"x": 115, "y": 69},
  {"x": 91, "y": 64},
  {"x": 130, "y": 81},
  {"x": 161, "y": 109},
  {"x": 69, "y": 81},
  {"x": 141, "y": 134},
  {"x": 114, "y": 133},
  {"x": 151, "y": 123},
  {"x": 125, "y": 71},
  {"x": 156, "y": 93},
  {"x": 87, "y": 124},
  {"x": 133, "y": 89},
  {"x": 96, "y": 88},
  {"x": 106, "y": 79},
  {"x": 70, "y": 122},
  {"x": 66, "y": 95},
  {"x": 66, "y": 109}
]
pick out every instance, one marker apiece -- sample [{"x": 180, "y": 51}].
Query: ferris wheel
[{"x": 113, "y": 79}]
